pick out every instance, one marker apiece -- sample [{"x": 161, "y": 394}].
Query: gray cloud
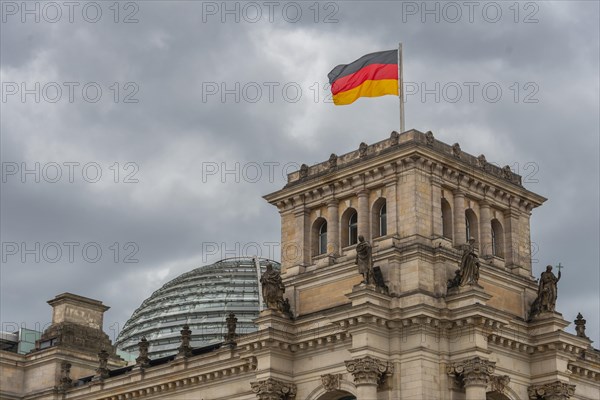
[{"x": 170, "y": 55}]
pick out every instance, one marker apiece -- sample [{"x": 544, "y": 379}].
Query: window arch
[
  {"x": 349, "y": 227},
  {"x": 319, "y": 237},
  {"x": 497, "y": 239},
  {"x": 471, "y": 225},
  {"x": 446, "y": 219},
  {"x": 379, "y": 218}
]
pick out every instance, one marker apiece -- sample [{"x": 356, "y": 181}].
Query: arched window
[
  {"x": 379, "y": 218},
  {"x": 446, "y": 219},
  {"x": 383, "y": 220},
  {"x": 319, "y": 237},
  {"x": 471, "y": 225},
  {"x": 353, "y": 229},
  {"x": 468, "y": 227},
  {"x": 349, "y": 227},
  {"x": 497, "y": 239},
  {"x": 323, "y": 238}
]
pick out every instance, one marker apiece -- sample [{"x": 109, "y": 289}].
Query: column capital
[
  {"x": 556, "y": 390},
  {"x": 333, "y": 202},
  {"x": 301, "y": 211},
  {"x": 458, "y": 192},
  {"x": 473, "y": 372},
  {"x": 362, "y": 193},
  {"x": 273, "y": 389},
  {"x": 368, "y": 370},
  {"x": 484, "y": 203}
]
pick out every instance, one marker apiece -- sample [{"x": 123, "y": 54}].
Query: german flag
[{"x": 373, "y": 75}]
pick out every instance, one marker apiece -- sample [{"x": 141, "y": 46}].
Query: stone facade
[{"x": 349, "y": 340}]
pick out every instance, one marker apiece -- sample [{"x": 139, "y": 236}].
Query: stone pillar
[
  {"x": 475, "y": 375},
  {"x": 274, "y": 389},
  {"x": 363, "y": 215},
  {"x": 368, "y": 373},
  {"x": 511, "y": 238},
  {"x": 301, "y": 252},
  {"x": 437, "y": 226},
  {"x": 391, "y": 205},
  {"x": 556, "y": 390},
  {"x": 485, "y": 229},
  {"x": 460, "y": 227},
  {"x": 333, "y": 227}
]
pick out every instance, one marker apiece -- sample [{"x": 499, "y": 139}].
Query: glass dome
[{"x": 202, "y": 298}]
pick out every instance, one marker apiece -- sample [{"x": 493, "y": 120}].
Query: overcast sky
[{"x": 157, "y": 126}]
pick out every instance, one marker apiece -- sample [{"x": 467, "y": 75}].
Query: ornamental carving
[
  {"x": 507, "y": 172},
  {"x": 65, "y": 381},
  {"x": 499, "y": 383},
  {"x": 481, "y": 161},
  {"x": 331, "y": 382},
  {"x": 143, "y": 360},
  {"x": 456, "y": 151},
  {"x": 362, "y": 149},
  {"x": 185, "y": 349},
  {"x": 273, "y": 389},
  {"x": 580, "y": 326},
  {"x": 303, "y": 171},
  {"x": 551, "y": 391},
  {"x": 368, "y": 370},
  {"x": 429, "y": 139},
  {"x": 102, "y": 372},
  {"x": 394, "y": 138},
  {"x": 333, "y": 159},
  {"x": 475, "y": 371}
]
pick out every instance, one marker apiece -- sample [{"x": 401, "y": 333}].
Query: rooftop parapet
[{"x": 395, "y": 142}]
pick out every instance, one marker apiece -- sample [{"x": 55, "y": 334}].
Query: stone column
[
  {"x": 301, "y": 252},
  {"x": 475, "y": 375},
  {"x": 485, "y": 229},
  {"x": 511, "y": 238},
  {"x": 391, "y": 202},
  {"x": 274, "y": 389},
  {"x": 333, "y": 227},
  {"x": 436, "y": 208},
  {"x": 367, "y": 372},
  {"x": 556, "y": 390},
  {"x": 460, "y": 227},
  {"x": 363, "y": 215}
]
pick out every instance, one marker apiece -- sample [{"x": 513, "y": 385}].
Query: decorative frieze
[
  {"x": 473, "y": 372},
  {"x": 368, "y": 370},
  {"x": 274, "y": 389},
  {"x": 556, "y": 390}
]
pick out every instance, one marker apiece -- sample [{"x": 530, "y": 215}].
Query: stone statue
[
  {"x": 548, "y": 290},
  {"x": 429, "y": 138},
  {"x": 580, "y": 326},
  {"x": 231, "y": 327},
  {"x": 143, "y": 360},
  {"x": 185, "y": 348},
  {"x": 469, "y": 265},
  {"x": 272, "y": 288},
  {"x": 364, "y": 260}
]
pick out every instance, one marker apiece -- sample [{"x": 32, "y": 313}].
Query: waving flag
[{"x": 373, "y": 75}]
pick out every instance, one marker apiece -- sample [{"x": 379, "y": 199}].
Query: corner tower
[{"x": 417, "y": 200}]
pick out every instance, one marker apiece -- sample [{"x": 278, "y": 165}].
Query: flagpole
[{"x": 400, "y": 86}]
